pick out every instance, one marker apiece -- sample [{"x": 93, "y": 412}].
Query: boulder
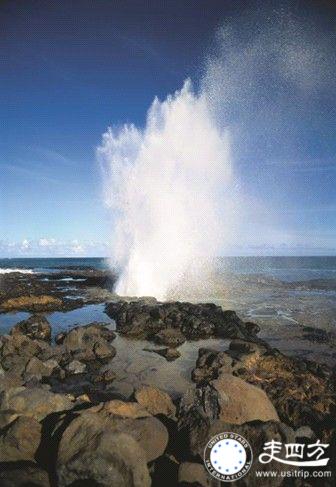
[
  {"x": 155, "y": 401},
  {"x": 34, "y": 402},
  {"x": 88, "y": 343},
  {"x": 20, "y": 440},
  {"x": 91, "y": 451},
  {"x": 240, "y": 402},
  {"x": 36, "y": 327},
  {"x": 132, "y": 419}
]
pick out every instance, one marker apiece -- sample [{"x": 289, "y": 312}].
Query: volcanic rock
[
  {"x": 171, "y": 337},
  {"x": 36, "y": 327},
  {"x": 139, "y": 319}
]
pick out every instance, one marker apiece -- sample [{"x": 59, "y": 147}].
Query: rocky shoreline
[{"x": 63, "y": 424}]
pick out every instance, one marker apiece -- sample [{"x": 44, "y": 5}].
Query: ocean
[{"x": 289, "y": 269}]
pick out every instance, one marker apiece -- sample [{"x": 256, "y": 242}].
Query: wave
[{"x": 22, "y": 271}]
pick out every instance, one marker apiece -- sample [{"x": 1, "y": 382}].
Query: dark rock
[
  {"x": 193, "y": 474},
  {"x": 252, "y": 328},
  {"x": 195, "y": 321},
  {"x": 169, "y": 354},
  {"x": 87, "y": 343},
  {"x": 208, "y": 365},
  {"x": 36, "y": 327},
  {"x": 23, "y": 474},
  {"x": 171, "y": 337}
]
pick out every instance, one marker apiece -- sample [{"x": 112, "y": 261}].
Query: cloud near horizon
[{"x": 50, "y": 247}]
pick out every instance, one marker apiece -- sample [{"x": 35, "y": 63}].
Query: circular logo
[{"x": 228, "y": 457}]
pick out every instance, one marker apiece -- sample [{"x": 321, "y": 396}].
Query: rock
[
  {"x": 228, "y": 399},
  {"x": 88, "y": 343},
  {"x": 169, "y": 354},
  {"x": 193, "y": 474},
  {"x": 120, "y": 408},
  {"x": 34, "y": 402},
  {"x": 300, "y": 390},
  {"x": 103, "y": 351},
  {"x": 6, "y": 417},
  {"x": 36, "y": 327},
  {"x": 35, "y": 367},
  {"x": 171, "y": 337},
  {"x": 16, "y": 350},
  {"x": 75, "y": 367},
  {"x": 143, "y": 320},
  {"x": 252, "y": 328},
  {"x": 91, "y": 451},
  {"x": 155, "y": 401},
  {"x": 209, "y": 364},
  {"x": 240, "y": 402},
  {"x": 32, "y": 303},
  {"x": 20, "y": 440},
  {"x": 132, "y": 419},
  {"x": 24, "y": 475}
]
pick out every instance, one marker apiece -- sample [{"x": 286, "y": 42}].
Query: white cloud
[{"x": 51, "y": 247}]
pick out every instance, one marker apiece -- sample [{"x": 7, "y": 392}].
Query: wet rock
[
  {"x": 171, "y": 337},
  {"x": 20, "y": 440},
  {"x": 139, "y": 319},
  {"x": 24, "y": 474},
  {"x": 34, "y": 402},
  {"x": 169, "y": 354},
  {"x": 155, "y": 401},
  {"x": 252, "y": 328},
  {"x": 36, "y": 327},
  {"x": 208, "y": 365},
  {"x": 193, "y": 474}
]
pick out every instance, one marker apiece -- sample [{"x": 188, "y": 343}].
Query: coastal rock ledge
[{"x": 171, "y": 323}]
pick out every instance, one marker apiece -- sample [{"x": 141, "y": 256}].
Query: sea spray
[{"x": 166, "y": 185}]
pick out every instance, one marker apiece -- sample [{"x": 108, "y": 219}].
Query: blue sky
[{"x": 73, "y": 68}]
